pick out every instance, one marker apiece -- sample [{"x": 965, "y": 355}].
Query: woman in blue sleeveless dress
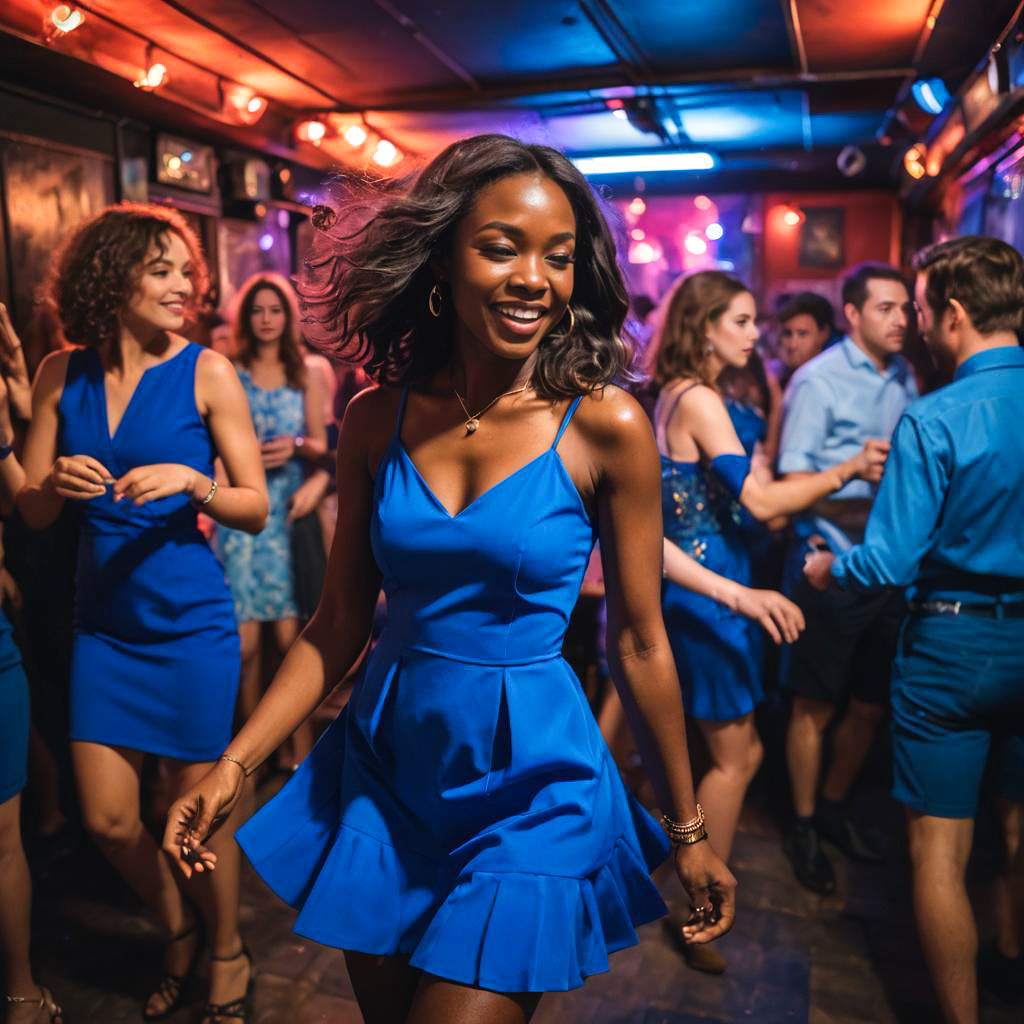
[
  {"x": 707, "y": 488},
  {"x": 287, "y": 411},
  {"x": 126, "y": 425},
  {"x": 460, "y": 830},
  {"x": 24, "y": 999}
]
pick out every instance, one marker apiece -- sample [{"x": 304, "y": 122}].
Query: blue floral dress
[{"x": 259, "y": 568}]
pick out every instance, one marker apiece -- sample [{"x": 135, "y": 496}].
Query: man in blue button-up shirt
[
  {"x": 948, "y": 523},
  {"x": 853, "y": 392}
]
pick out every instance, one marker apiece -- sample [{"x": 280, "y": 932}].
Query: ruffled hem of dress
[
  {"x": 503, "y": 931},
  {"x": 512, "y": 932}
]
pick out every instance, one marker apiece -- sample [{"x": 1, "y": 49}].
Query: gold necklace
[{"x": 473, "y": 421}]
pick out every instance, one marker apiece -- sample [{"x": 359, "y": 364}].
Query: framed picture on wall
[{"x": 821, "y": 237}]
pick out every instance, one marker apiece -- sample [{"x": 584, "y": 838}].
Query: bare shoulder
[
  {"x": 369, "y": 421},
  {"x": 613, "y": 420},
  {"x": 51, "y": 375},
  {"x": 215, "y": 368}
]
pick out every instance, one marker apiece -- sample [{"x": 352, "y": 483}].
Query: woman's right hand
[
  {"x": 80, "y": 477},
  {"x": 869, "y": 462},
  {"x": 780, "y": 618},
  {"x": 13, "y": 367},
  {"x": 199, "y": 813}
]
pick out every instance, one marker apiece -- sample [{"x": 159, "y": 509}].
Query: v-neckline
[
  {"x": 480, "y": 497},
  {"x": 112, "y": 434}
]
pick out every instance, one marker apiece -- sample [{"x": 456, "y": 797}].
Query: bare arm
[
  {"x": 702, "y": 418},
  {"x": 326, "y": 650},
  {"x": 242, "y": 505},
  {"x": 639, "y": 656},
  {"x": 314, "y": 441},
  {"x": 49, "y": 478},
  {"x": 12, "y": 476},
  {"x": 780, "y": 618}
]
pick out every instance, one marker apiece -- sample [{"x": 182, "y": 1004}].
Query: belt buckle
[{"x": 946, "y": 607}]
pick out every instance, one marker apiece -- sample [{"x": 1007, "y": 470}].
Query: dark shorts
[
  {"x": 957, "y": 693},
  {"x": 848, "y": 645}
]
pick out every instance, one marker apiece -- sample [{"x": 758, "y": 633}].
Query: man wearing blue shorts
[{"x": 948, "y": 523}]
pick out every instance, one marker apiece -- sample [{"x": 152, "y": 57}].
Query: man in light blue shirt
[
  {"x": 853, "y": 392},
  {"x": 949, "y": 523}
]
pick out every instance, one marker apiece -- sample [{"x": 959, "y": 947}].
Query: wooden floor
[{"x": 793, "y": 957}]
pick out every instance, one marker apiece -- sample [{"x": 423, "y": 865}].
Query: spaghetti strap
[
  {"x": 565, "y": 421},
  {"x": 401, "y": 410},
  {"x": 668, "y": 419}
]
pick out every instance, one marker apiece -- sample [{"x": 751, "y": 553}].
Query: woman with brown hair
[
  {"x": 288, "y": 413},
  {"x": 126, "y": 425},
  {"x": 709, "y": 325}
]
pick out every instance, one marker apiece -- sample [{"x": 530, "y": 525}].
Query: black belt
[{"x": 989, "y": 610}]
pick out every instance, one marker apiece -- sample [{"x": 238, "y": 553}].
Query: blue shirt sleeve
[
  {"x": 905, "y": 516},
  {"x": 805, "y": 426}
]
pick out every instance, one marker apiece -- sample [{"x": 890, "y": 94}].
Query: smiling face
[
  {"x": 733, "y": 334},
  {"x": 160, "y": 297},
  {"x": 268, "y": 317},
  {"x": 801, "y": 339},
  {"x": 510, "y": 268}
]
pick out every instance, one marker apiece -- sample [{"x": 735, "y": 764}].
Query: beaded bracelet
[{"x": 684, "y": 831}]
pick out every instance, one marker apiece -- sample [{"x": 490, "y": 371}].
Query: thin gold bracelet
[{"x": 234, "y": 760}]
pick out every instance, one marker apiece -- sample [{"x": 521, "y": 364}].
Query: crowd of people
[{"x": 462, "y": 830}]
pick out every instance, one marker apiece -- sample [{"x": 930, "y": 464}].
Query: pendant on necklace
[{"x": 472, "y": 424}]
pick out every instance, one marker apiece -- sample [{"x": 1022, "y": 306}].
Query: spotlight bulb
[
  {"x": 311, "y": 131},
  {"x": 66, "y": 18},
  {"x": 386, "y": 154},
  {"x": 152, "y": 79},
  {"x": 355, "y": 135}
]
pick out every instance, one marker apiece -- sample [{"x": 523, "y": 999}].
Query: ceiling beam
[
  {"x": 428, "y": 44},
  {"x": 209, "y": 26},
  {"x": 753, "y": 79}
]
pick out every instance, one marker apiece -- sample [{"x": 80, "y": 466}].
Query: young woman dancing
[
  {"x": 126, "y": 425},
  {"x": 710, "y": 324},
  {"x": 460, "y": 830}
]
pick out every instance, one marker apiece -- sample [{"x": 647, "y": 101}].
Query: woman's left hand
[
  {"x": 150, "y": 483},
  {"x": 711, "y": 888},
  {"x": 277, "y": 451},
  {"x": 818, "y": 569}
]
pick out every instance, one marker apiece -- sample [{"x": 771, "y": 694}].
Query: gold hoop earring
[
  {"x": 572, "y": 321},
  {"x": 434, "y": 301}
]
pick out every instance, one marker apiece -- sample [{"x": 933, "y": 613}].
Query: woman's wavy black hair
[{"x": 366, "y": 285}]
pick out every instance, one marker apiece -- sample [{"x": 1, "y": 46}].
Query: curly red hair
[{"x": 98, "y": 266}]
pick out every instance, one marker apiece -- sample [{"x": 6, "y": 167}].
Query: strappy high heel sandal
[
  {"x": 235, "y": 1009},
  {"x": 171, "y": 987},
  {"x": 44, "y": 1002}
]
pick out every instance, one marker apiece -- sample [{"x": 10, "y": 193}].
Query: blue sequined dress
[{"x": 717, "y": 652}]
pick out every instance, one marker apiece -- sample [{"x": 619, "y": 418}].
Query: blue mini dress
[
  {"x": 14, "y": 717},
  {"x": 717, "y": 652},
  {"x": 464, "y": 809},
  {"x": 155, "y": 659}
]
